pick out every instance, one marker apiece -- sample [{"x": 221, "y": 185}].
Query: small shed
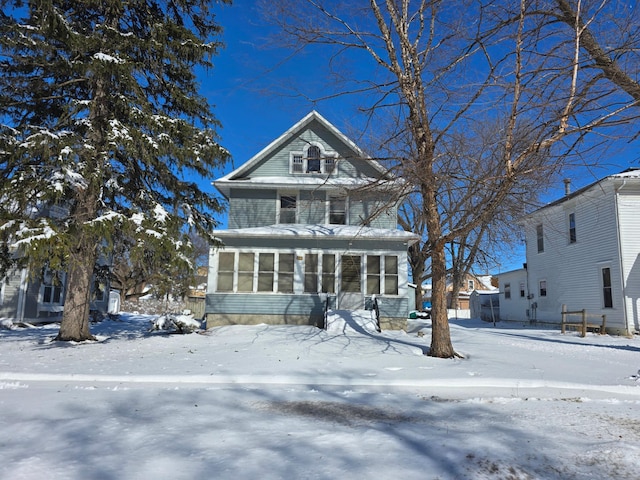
[{"x": 485, "y": 305}]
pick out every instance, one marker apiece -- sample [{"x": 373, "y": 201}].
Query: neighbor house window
[
  {"x": 311, "y": 273},
  {"x": 266, "y": 272},
  {"x": 607, "y": 292},
  {"x": 470, "y": 285},
  {"x": 522, "y": 292},
  {"x": 245, "y": 272},
  {"x": 540, "y": 238},
  {"x": 351, "y": 270},
  {"x": 543, "y": 288},
  {"x": 52, "y": 288},
  {"x": 391, "y": 275},
  {"x": 285, "y": 272},
  {"x": 328, "y": 273},
  {"x": 507, "y": 291},
  {"x": 225, "y": 271},
  {"x": 373, "y": 274},
  {"x": 287, "y": 209},
  {"x": 337, "y": 210},
  {"x": 99, "y": 291},
  {"x": 572, "y": 228}
]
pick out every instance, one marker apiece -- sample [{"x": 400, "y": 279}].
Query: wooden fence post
[
  {"x": 564, "y": 319},
  {"x": 584, "y": 322}
]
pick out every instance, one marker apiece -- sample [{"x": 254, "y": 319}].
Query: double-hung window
[
  {"x": 288, "y": 209},
  {"x": 540, "y": 238},
  {"x": 337, "y": 210},
  {"x": 391, "y": 275},
  {"x": 572, "y": 228},
  {"x": 607, "y": 289},
  {"x": 328, "y": 273},
  {"x": 52, "y": 289}
]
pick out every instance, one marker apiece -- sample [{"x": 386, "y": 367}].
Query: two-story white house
[
  {"x": 312, "y": 224},
  {"x": 582, "y": 251}
]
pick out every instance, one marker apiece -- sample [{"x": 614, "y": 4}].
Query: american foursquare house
[{"x": 312, "y": 226}]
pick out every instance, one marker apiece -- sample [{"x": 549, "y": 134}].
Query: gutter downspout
[{"x": 621, "y": 260}]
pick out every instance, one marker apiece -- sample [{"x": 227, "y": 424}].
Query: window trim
[
  {"x": 571, "y": 219},
  {"x": 327, "y": 158},
  {"x": 604, "y": 287},
  {"x": 330, "y": 201},
  {"x": 542, "y": 293},
  {"x": 289, "y": 194},
  {"x": 507, "y": 291},
  {"x": 52, "y": 306},
  {"x": 387, "y": 279},
  {"x": 540, "y": 237}
]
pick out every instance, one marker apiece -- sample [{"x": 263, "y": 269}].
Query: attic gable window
[{"x": 313, "y": 160}]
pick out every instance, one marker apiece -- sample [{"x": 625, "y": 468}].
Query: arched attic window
[{"x": 314, "y": 159}]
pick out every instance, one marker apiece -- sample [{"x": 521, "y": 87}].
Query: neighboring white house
[
  {"x": 312, "y": 226},
  {"x": 582, "y": 251}
]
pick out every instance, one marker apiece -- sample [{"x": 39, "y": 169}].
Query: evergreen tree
[{"x": 102, "y": 130}]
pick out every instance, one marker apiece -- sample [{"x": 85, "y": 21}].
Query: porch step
[{"x": 343, "y": 321}]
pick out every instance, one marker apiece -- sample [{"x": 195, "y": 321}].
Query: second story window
[
  {"x": 287, "y": 209},
  {"x": 540, "y": 238},
  {"x": 337, "y": 210},
  {"x": 572, "y": 228}
]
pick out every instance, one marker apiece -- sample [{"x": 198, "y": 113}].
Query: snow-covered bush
[
  {"x": 7, "y": 323},
  {"x": 172, "y": 322}
]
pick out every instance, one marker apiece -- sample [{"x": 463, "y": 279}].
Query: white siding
[
  {"x": 573, "y": 270},
  {"x": 628, "y": 211},
  {"x": 516, "y": 307}
]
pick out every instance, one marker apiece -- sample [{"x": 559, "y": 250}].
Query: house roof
[
  {"x": 237, "y": 176},
  {"x": 630, "y": 173},
  {"x": 335, "y": 232}
]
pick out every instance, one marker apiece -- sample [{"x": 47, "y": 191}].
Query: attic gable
[{"x": 312, "y": 151}]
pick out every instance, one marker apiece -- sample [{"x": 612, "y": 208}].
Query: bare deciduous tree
[{"x": 438, "y": 69}]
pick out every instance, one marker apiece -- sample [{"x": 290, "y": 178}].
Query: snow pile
[
  {"x": 343, "y": 321},
  {"x": 6, "y": 323},
  {"x": 175, "y": 323}
]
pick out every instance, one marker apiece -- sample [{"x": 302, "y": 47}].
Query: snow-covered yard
[{"x": 288, "y": 402}]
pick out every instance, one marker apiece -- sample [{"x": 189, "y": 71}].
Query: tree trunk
[
  {"x": 75, "y": 319},
  {"x": 441, "y": 345}
]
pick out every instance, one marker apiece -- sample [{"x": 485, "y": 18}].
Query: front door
[{"x": 350, "y": 296}]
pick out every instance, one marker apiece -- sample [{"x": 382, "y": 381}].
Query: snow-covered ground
[{"x": 290, "y": 402}]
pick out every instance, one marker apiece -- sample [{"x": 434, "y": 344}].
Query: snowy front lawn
[{"x": 288, "y": 402}]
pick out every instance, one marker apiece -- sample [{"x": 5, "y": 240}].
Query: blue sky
[{"x": 252, "y": 90}]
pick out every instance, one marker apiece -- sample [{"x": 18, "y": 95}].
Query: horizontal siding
[
  {"x": 628, "y": 208},
  {"x": 266, "y": 304},
  {"x": 277, "y": 164},
  {"x": 11, "y": 286},
  {"x": 313, "y": 207},
  {"x": 572, "y": 271},
  {"x": 252, "y": 208}
]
